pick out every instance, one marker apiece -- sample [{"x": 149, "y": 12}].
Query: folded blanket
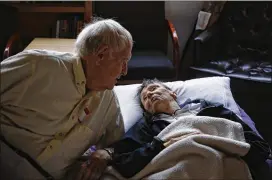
[{"x": 207, "y": 148}]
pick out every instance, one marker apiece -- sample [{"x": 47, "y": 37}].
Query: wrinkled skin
[{"x": 93, "y": 168}]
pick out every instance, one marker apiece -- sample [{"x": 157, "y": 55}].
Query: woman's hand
[{"x": 93, "y": 168}]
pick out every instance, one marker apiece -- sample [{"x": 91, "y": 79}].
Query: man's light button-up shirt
[{"x": 50, "y": 132}]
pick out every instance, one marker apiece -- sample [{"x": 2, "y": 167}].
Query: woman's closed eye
[{"x": 153, "y": 88}]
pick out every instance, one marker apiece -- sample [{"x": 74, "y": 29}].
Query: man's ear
[{"x": 101, "y": 51}]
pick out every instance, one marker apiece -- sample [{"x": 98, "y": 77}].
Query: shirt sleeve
[
  {"x": 115, "y": 128},
  {"x": 16, "y": 73}
]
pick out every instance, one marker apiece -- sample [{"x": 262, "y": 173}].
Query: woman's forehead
[{"x": 148, "y": 87}]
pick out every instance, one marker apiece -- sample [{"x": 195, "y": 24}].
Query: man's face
[
  {"x": 108, "y": 68},
  {"x": 114, "y": 67},
  {"x": 156, "y": 98}
]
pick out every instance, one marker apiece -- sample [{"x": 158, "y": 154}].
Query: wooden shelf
[
  {"x": 39, "y": 18},
  {"x": 49, "y": 8}
]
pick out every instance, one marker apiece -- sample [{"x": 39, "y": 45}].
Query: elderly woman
[
  {"x": 141, "y": 143},
  {"x": 55, "y": 105}
]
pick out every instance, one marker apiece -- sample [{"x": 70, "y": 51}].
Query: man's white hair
[{"x": 102, "y": 32}]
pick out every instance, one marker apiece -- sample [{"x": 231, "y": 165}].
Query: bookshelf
[
  {"x": 50, "y": 19},
  {"x": 51, "y": 9}
]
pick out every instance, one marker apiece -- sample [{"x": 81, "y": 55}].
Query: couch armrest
[
  {"x": 207, "y": 34},
  {"x": 205, "y": 45},
  {"x": 14, "y": 45},
  {"x": 176, "y": 46}
]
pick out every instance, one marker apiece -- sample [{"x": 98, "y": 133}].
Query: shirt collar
[
  {"x": 80, "y": 78},
  {"x": 185, "y": 103},
  {"x": 177, "y": 112}
]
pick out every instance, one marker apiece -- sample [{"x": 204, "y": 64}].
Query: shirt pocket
[
  {"x": 77, "y": 141},
  {"x": 95, "y": 122}
]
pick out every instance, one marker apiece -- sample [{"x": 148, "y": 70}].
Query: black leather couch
[{"x": 239, "y": 46}]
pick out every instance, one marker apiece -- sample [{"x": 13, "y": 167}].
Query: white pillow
[{"x": 213, "y": 89}]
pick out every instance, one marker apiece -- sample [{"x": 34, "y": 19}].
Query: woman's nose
[{"x": 149, "y": 94}]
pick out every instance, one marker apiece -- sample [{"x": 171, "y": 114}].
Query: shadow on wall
[
  {"x": 9, "y": 23},
  {"x": 183, "y": 14}
]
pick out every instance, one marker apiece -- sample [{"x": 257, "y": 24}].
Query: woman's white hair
[{"x": 102, "y": 32}]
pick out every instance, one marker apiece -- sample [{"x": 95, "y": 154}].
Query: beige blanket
[{"x": 208, "y": 148}]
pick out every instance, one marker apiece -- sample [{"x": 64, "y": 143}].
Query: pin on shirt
[{"x": 85, "y": 113}]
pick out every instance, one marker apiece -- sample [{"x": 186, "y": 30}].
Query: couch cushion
[{"x": 149, "y": 64}]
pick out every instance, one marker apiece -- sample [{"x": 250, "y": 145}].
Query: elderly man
[
  {"x": 55, "y": 105},
  {"x": 140, "y": 144}
]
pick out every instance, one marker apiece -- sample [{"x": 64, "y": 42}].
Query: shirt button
[{"x": 59, "y": 136}]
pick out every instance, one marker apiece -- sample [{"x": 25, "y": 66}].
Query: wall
[
  {"x": 183, "y": 14},
  {"x": 8, "y": 19}
]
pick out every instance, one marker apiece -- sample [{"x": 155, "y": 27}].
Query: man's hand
[{"x": 95, "y": 166}]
